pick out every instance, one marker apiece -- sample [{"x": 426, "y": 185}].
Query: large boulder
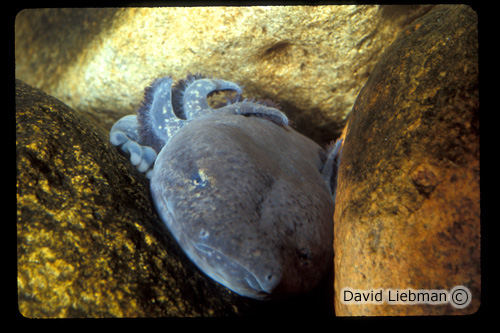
[
  {"x": 313, "y": 60},
  {"x": 407, "y": 213}
]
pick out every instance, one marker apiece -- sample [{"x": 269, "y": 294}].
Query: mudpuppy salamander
[{"x": 248, "y": 198}]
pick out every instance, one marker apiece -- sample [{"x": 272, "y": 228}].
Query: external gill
[
  {"x": 252, "y": 109},
  {"x": 195, "y": 96},
  {"x": 157, "y": 120}
]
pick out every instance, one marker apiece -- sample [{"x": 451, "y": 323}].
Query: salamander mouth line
[
  {"x": 250, "y": 279},
  {"x": 207, "y": 250}
]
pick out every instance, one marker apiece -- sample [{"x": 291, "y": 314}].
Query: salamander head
[
  {"x": 241, "y": 191},
  {"x": 251, "y": 216}
]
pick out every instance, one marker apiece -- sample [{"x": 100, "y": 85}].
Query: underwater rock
[
  {"x": 313, "y": 60},
  {"x": 89, "y": 243},
  {"x": 407, "y": 212}
]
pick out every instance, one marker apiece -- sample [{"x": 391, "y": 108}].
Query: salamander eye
[{"x": 199, "y": 180}]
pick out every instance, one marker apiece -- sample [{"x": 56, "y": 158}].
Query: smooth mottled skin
[{"x": 241, "y": 191}]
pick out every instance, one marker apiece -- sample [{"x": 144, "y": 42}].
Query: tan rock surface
[{"x": 313, "y": 60}]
